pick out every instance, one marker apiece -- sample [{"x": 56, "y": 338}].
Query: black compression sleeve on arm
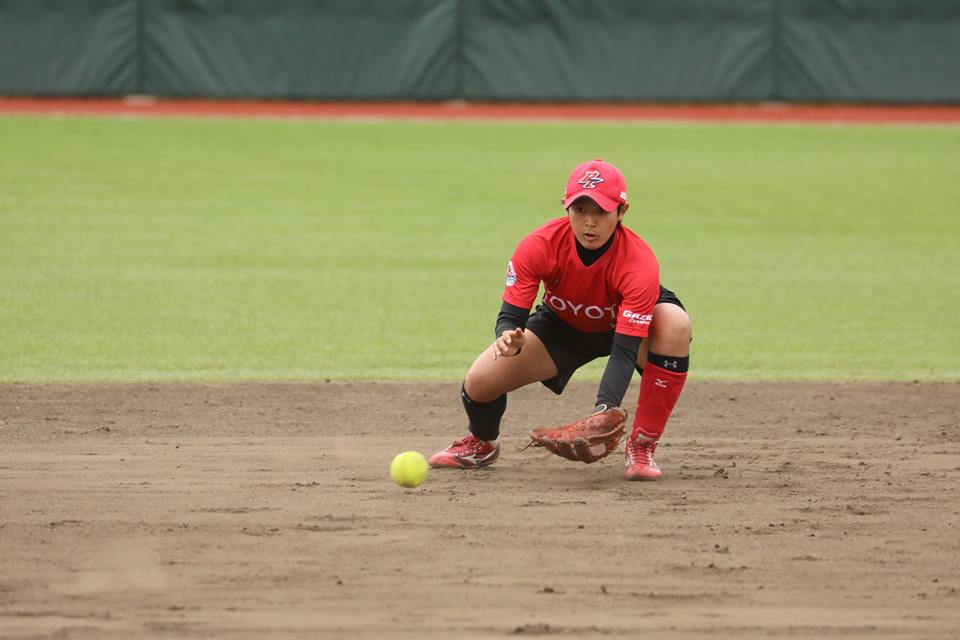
[
  {"x": 616, "y": 377},
  {"x": 511, "y": 317}
]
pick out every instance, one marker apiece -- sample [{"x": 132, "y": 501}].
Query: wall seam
[
  {"x": 141, "y": 48},
  {"x": 776, "y": 92},
  {"x": 459, "y": 56}
]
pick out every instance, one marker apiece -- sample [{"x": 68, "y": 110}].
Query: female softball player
[{"x": 602, "y": 297}]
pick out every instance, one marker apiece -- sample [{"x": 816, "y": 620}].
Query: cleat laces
[
  {"x": 469, "y": 445},
  {"x": 640, "y": 453}
]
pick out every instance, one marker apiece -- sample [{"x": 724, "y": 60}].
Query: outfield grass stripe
[{"x": 232, "y": 250}]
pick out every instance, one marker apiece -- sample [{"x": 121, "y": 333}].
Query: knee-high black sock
[
  {"x": 484, "y": 416},
  {"x": 677, "y": 364}
]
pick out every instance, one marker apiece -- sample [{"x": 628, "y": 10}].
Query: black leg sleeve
[
  {"x": 484, "y": 416},
  {"x": 677, "y": 364}
]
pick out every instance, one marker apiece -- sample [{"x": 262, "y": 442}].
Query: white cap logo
[{"x": 590, "y": 179}]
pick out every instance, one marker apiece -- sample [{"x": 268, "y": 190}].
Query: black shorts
[{"x": 571, "y": 349}]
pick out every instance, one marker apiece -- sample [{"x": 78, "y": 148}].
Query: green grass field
[{"x": 229, "y": 249}]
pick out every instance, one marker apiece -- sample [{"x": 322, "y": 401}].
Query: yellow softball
[{"x": 409, "y": 469}]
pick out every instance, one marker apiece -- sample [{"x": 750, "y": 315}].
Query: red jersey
[{"x": 617, "y": 292}]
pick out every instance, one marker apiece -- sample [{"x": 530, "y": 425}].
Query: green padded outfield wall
[
  {"x": 69, "y": 47},
  {"x": 868, "y": 50},
  {"x": 617, "y": 50},
  {"x": 333, "y": 49},
  {"x": 581, "y": 50}
]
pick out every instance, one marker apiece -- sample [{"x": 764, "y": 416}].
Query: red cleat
[
  {"x": 638, "y": 457},
  {"x": 467, "y": 453}
]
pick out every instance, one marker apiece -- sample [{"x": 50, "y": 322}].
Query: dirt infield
[
  {"x": 265, "y": 510},
  {"x": 146, "y": 106}
]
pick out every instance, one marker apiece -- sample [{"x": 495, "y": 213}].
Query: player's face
[{"x": 592, "y": 225}]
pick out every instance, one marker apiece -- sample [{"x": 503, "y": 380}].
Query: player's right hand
[{"x": 508, "y": 344}]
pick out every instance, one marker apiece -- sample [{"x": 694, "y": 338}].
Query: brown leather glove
[{"x": 587, "y": 439}]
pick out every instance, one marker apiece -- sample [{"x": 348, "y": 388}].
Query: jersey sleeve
[
  {"x": 525, "y": 271},
  {"x": 640, "y": 289}
]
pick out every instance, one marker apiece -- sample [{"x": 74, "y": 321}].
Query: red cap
[{"x": 598, "y": 180}]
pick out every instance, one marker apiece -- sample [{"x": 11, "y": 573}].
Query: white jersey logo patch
[
  {"x": 511, "y": 274},
  {"x": 637, "y": 318}
]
